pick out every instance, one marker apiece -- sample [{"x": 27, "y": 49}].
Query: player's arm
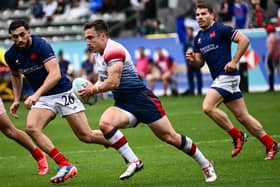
[
  {"x": 242, "y": 45},
  {"x": 195, "y": 59},
  {"x": 113, "y": 80},
  {"x": 17, "y": 82},
  {"x": 51, "y": 80}
]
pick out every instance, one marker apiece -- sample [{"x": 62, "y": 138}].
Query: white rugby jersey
[{"x": 115, "y": 52}]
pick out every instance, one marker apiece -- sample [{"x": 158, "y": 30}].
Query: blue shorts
[
  {"x": 228, "y": 87},
  {"x": 143, "y": 104}
]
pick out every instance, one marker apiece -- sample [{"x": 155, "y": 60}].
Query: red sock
[
  {"x": 267, "y": 141},
  {"x": 37, "y": 154},
  {"x": 234, "y": 133},
  {"x": 59, "y": 158}
]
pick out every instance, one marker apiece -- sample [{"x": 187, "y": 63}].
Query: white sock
[
  {"x": 193, "y": 151},
  {"x": 119, "y": 142}
]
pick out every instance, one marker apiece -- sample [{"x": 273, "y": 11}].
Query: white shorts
[
  {"x": 229, "y": 83},
  {"x": 2, "y": 107},
  {"x": 65, "y": 103}
]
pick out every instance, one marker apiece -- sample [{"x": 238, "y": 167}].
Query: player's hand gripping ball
[{"x": 79, "y": 83}]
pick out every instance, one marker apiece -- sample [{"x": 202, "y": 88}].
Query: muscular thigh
[
  {"x": 212, "y": 99},
  {"x": 79, "y": 122},
  {"x": 39, "y": 117},
  {"x": 115, "y": 117}
]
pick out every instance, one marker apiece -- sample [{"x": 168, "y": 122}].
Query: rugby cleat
[
  {"x": 209, "y": 172},
  {"x": 270, "y": 153},
  {"x": 64, "y": 173},
  {"x": 132, "y": 167},
  {"x": 43, "y": 167},
  {"x": 238, "y": 144}
]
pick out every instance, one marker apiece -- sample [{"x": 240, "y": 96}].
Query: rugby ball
[{"x": 79, "y": 83}]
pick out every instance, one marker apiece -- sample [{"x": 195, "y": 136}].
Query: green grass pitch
[{"x": 164, "y": 166}]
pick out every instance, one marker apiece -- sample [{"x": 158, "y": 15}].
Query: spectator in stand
[
  {"x": 257, "y": 15},
  {"x": 225, "y": 12},
  {"x": 49, "y": 9},
  {"x": 95, "y": 5},
  {"x": 87, "y": 68},
  {"x": 61, "y": 7},
  {"x": 273, "y": 53},
  {"x": 240, "y": 14},
  {"x": 36, "y": 9},
  {"x": 157, "y": 27},
  {"x": 143, "y": 64},
  {"x": 143, "y": 28},
  {"x": 166, "y": 65}
]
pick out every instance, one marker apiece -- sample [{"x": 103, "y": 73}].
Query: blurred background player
[
  {"x": 134, "y": 102},
  {"x": 10, "y": 130},
  {"x": 165, "y": 65},
  {"x": 192, "y": 72},
  {"x": 273, "y": 53},
  {"x": 213, "y": 45},
  {"x": 88, "y": 69},
  {"x": 143, "y": 64}
]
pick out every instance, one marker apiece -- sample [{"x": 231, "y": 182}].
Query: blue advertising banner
[{"x": 74, "y": 51}]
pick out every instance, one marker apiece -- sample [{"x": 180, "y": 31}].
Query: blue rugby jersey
[
  {"x": 31, "y": 61},
  {"x": 215, "y": 46}
]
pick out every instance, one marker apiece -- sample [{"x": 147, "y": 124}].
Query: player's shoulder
[
  {"x": 10, "y": 53},
  {"x": 114, "y": 50},
  {"x": 38, "y": 41}
]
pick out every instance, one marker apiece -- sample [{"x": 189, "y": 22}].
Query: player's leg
[
  {"x": 80, "y": 126},
  {"x": 240, "y": 111},
  {"x": 163, "y": 129},
  {"x": 166, "y": 77},
  {"x": 36, "y": 121},
  {"x": 210, "y": 106},
  {"x": 112, "y": 119},
  {"x": 7, "y": 127}
]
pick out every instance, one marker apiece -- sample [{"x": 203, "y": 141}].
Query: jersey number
[{"x": 68, "y": 99}]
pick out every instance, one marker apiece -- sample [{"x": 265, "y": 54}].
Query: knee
[
  {"x": 10, "y": 133},
  {"x": 207, "y": 109},
  {"x": 104, "y": 126},
  {"x": 31, "y": 129}
]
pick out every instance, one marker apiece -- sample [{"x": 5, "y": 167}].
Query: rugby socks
[
  {"x": 234, "y": 133},
  {"x": 267, "y": 141},
  {"x": 59, "y": 158},
  {"x": 119, "y": 142},
  {"x": 37, "y": 154},
  {"x": 190, "y": 148}
]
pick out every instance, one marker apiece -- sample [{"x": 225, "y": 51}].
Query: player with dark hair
[
  {"x": 212, "y": 44},
  {"x": 32, "y": 56},
  {"x": 134, "y": 103}
]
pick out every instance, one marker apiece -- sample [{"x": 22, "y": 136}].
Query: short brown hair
[
  {"x": 99, "y": 25},
  {"x": 205, "y": 5}
]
